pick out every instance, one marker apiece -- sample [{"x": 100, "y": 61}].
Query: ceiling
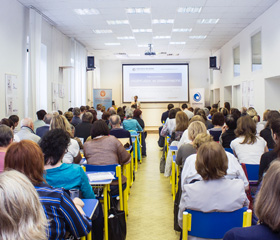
[{"x": 232, "y": 15}]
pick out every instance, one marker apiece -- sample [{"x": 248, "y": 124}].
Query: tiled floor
[{"x": 150, "y": 203}]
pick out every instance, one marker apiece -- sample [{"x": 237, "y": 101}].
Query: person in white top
[
  {"x": 247, "y": 147},
  {"x": 215, "y": 192}
]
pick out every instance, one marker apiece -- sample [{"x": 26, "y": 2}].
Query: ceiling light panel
[
  {"x": 138, "y": 10},
  {"x": 177, "y": 43},
  {"x": 189, "y": 9},
  {"x": 208, "y": 21},
  {"x": 181, "y": 29},
  {"x": 162, "y": 21},
  {"x": 198, "y": 37},
  {"x": 126, "y": 38},
  {"x": 161, "y": 37},
  {"x": 142, "y": 30},
  {"x": 102, "y": 31},
  {"x": 112, "y": 44},
  {"x": 117, "y": 22},
  {"x": 86, "y": 11}
]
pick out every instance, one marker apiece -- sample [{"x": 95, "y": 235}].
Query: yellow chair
[{"x": 214, "y": 224}]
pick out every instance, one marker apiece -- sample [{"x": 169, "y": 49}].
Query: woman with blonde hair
[
  {"x": 247, "y": 147},
  {"x": 267, "y": 208},
  {"x": 73, "y": 151},
  {"x": 22, "y": 216},
  {"x": 214, "y": 192}
]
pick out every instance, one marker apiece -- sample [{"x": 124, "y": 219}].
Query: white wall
[
  {"x": 111, "y": 77},
  {"x": 269, "y": 25}
]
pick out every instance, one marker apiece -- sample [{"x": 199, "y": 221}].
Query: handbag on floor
[{"x": 116, "y": 222}]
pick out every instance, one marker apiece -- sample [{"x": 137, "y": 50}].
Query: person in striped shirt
[{"x": 63, "y": 216}]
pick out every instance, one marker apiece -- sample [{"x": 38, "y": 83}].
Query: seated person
[
  {"x": 228, "y": 131},
  {"x": 214, "y": 192},
  {"x": 26, "y": 131},
  {"x": 248, "y": 147},
  {"x": 137, "y": 115},
  {"x": 27, "y": 158},
  {"x": 267, "y": 207},
  {"x": 82, "y": 130},
  {"x": 40, "y": 131},
  {"x": 6, "y": 138},
  {"x": 218, "y": 121},
  {"x": 105, "y": 150},
  {"x": 22, "y": 215}
]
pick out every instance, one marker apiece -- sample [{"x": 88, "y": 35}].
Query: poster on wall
[
  {"x": 197, "y": 98},
  {"x": 61, "y": 93},
  {"x": 11, "y": 94},
  {"x": 55, "y": 96},
  {"x": 248, "y": 93},
  {"x": 102, "y": 96}
]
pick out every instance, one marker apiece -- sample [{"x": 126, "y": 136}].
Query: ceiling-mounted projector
[{"x": 150, "y": 51}]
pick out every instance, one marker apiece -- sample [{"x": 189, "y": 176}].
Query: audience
[
  {"x": 76, "y": 116},
  {"x": 26, "y": 131},
  {"x": 105, "y": 150},
  {"x": 218, "y": 121},
  {"x": 266, "y": 208},
  {"x": 27, "y": 158},
  {"x": 228, "y": 131},
  {"x": 15, "y": 120},
  {"x": 82, "y": 130},
  {"x": 99, "y": 112},
  {"x": 6, "y": 138},
  {"x": 41, "y": 131},
  {"x": 214, "y": 192},
  {"x": 22, "y": 216},
  {"x": 73, "y": 151},
  {"x": 248, "y": 147},
  {"x": 39, "y": 122}
]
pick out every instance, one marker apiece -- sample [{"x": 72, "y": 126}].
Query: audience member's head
[
  {"x": 201, "y": 113},
  {"x": 6, "y": 136},
  {"x": 82, "y": 109},
  {"x": 40, "y": 114},
  {"x": 54, "y": 144},
  {"x": 246, "y": 127},
  {"x": 76, "y": 112},
  {"x": 265, "y": 113},
  {"x": 103, "y": 109},
  {"x": 184, "y": 106},
  {"x": 211, "y": 161},
  {"x": 196, "y": 110},
  {"x": 172, "y": 113},
  {"x": 99, "y": 128},
  {"x": 227, "y": 106},
  {"x": 182, "y": 121},
  {"x": 61, "y": 122},
  {"x": 87, "y": 107},
  {"x": 26, "y": 157},
  {"x": 235, "y": 112},
  {"x": 134, "y": 106},
  {"x": 8, "y": 122},
  {"x": 206, "y": 110},
  {"x": 69, "y": 116},
  {"x": 197, "y": 118},
  {"x": 191, "y": 109},
  {"x": 170, "y": 106},
  {"x": 47, "y": 118},
  {"x": 271, "y": 116},
  {"x": 87, "y": 117},
  {"x": 218, "y": 119},
  {"x": 224, "y": 111},
  {"x": 124, "y": 109},
  {"x": 70, "y": 109},
  {"x": 137, "y": 113},
  {"x": 216, "y": 106},
  {"x": 15, "y": 120},
  {"x": 253, "y": 114},
  {"x": 27, "y": 122},
  {"x": 94, "y": 115},
  {"x": 202, "y": 138},
  {"x": 267, "y": 204},
  {"x": 106, "y": 116},
  {"x": 231, "y": 122},
  {"x": 195, "y": 128},
  {"x": 129, "y": 113},
  {"x": 213, "y": 111},
  {"x": 115, "y": 121},
  {"x": 112, "y": 111},
  {"x": 22, "y": 215},
  {"x": 60, "y": 112},
  {"x": 275, "y": 128},
  {"x": 120, "y": 112}
]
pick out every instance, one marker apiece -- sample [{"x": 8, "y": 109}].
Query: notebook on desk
[
  {"x": 90, "y": 206},
  {"x": 98, "y": 176}
]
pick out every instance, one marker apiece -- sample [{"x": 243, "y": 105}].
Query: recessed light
[
  {"x": 125, "y": 38},
  {"x": 181, "y": 29},
  {"x": 137, "y": 10},
  {"x": 102, "y": 31},
  {"x": 142, "y": 30},
  {"x": 112, "y": 44},
  {"x": 208, "y": 21},
  {"x": 177, "y": 43},
  {"x": 161, "y": 37},
  {"x": 87, "y": 11},
  {"x": 162, "y": 21},
  {"x": 189, "y": 9},
  {"x": 117, "y": 22},
  {"x": 198, "y": 37}
]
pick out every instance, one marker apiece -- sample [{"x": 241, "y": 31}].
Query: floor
[{"x": 150, "y": 204}]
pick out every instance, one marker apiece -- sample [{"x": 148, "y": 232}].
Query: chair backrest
[
  {"x": 253, "y": 171},
  {"x": 102, "y": 168},
  {"x": 214, "y": 224},
  {"x": 229, "y": 150}
]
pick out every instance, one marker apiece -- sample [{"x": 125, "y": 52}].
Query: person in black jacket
[
  {"x": 82, "y": 130},
  {"x": 228, "y": 131}
]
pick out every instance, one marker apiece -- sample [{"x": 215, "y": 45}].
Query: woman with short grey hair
[{"x": 6, "y": 137}]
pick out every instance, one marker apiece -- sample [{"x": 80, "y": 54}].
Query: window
[
  {"x": 236, "y": 61},
  {"x": 256, "y": 51}
]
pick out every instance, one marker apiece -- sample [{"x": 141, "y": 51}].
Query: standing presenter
[{"x": 136, "y": 102}]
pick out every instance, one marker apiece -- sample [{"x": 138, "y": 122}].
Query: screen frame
[{"x": 147, "y": 64}]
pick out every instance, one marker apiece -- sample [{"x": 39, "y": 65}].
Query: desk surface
[
  {"x": 90, "y": 206},
  {"x": 99, "y": 182}
]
